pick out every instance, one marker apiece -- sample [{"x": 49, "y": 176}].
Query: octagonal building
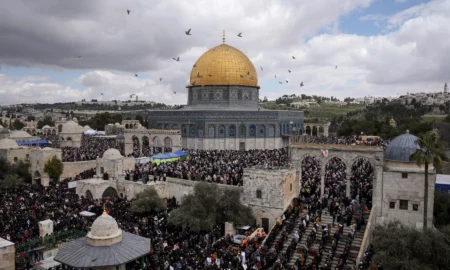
[{"x": 223, "y": 110}]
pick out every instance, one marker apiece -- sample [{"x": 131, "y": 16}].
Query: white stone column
[
  {"x": 348, "y": 173},
  {"x": 45, "y": 227},
  {"x": 322, "y": 184}
]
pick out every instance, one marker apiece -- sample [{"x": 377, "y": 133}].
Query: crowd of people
[
  {"x": 53, "y": 140},
  {"x": 346, "y": 140},
  {"x": 216, "y": 166},
  {"x": 91, "y": 148}
]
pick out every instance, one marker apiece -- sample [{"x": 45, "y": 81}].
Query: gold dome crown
[{"x": 223, "y": 65}]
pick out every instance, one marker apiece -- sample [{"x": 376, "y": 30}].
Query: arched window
[
  {"x": 175, "y": 126},
  {"x": 159, "y": 126},
  {"x": 191, "y": 131},
  {"x": 232, "y": 131},
  {"x": 183, "y": 130},
  {"x": 211, "y": 131},
  {"x": 252, "y": 131},
  {"x": 258, "y": 194},
  {"x": 166, "y": 126},
  {"x": 272, "y": 131},
  {"x": 242, "y": 131},
  {"x": 200, "y": 131},
  {"x": 262, "y": 131},
  {"x": 222, "y": 131}
]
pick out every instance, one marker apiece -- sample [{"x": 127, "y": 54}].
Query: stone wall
[
  {"x": 409, "y": 189},
  {"x": 72, "y": 169},
  {"x": 7, "y": 255},
  {"x": 178, "y": 188},
  {"x": 368, "y": 233},
  {"x": 232, "y": 143},
  {"x": 15, "y": 155},
  {"x": 39, "y": 158}
]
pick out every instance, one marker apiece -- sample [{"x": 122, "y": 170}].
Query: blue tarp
[
  {"x": 181, "y": 153},
  {"x": 442, "y": 182},
  {"x": 165, "y": 156},
  {"x": 32, "y": 142}
]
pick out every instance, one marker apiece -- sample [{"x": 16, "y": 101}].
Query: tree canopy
[
  {"x": 19, "y": 168},
  {"x": 18, "y": 125},
  {"x": 11, "y": 181},
  {"x": 54, "y": 168},
  {"x": 100, "y": 120},
  {"x": 209, "y": 206},
  {"x": 399, "y": 247},
  {"x": 148, "y": 201},
  {"x": 46, "y": 121}
]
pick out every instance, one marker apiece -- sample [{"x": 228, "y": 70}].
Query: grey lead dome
[{"x": 401, "y": 148}]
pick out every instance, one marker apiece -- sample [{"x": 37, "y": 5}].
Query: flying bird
[
  {"x": 293, "y": 57},
  {"x": 289, "y": 71},
  {"x": 176, "y": 59},
  {"x": 301, "y": 84},
  {"x": 275, "y": 76},
  {"x": 135, "y": 75},
  {"x": 240, "y": 35},
  {"x": 261, "y": 68},
  {"x": 102, "y": 94},
  {"x": 128, "y": 11},
  {"x": 287, "y": 81},
  {"x": 335, "y": 67},
  {"x": 280, "y": 82},
  {"x": 175, "y": 92},
  {"x": 132, "y": 95},
  {"x": 188, "y": 32},
  {"x": 160, "y": 79}
]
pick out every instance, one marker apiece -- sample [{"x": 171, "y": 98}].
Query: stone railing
[
  {"x": 367, "y": 239},
  {"x": 154, "y": 131},
  {"x": 335, "y": 146}
]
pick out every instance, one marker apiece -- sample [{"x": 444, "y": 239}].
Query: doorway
[
  {"x": 242, "y": 146},
  {"x": 265, "y": 224}
]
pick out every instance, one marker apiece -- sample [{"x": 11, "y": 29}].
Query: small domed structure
[
  {"x": 70, "y": 127},
  {"x": 401, "y": 148},
  {"x": 8, "y": 144},
  {"x": 112, "y": 154},
  {"x": 19, "y": 134},
  {"x": 117, "y": 124},
  {"x": 46, "y": 126},
  {"x": 104, "y": 231}
]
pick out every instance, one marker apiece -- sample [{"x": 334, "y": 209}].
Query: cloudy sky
[{"x": 381, "y": 47}]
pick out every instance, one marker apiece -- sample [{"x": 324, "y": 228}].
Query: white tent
[
  {"x": 86, "y": 214},
  {"x": 90, "y": 132},
  {"x": 442, "y": 182}
]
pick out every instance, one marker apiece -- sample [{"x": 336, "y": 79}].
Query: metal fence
[{"x": 49, "y": 240}]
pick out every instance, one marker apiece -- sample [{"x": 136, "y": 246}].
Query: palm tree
[
  {"x": 430, "y": 152},
  {"x": 11, "y": 181}
]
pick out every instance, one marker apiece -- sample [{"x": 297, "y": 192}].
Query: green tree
[
  {"x": 18, "y": 125},
  {"x": 148, "y": 201},
  {"x": 140, "y": 118},
  {"x": 54, "y": 168},
  {"x": 5, "y": 167},
  {"x": 22, "y": 169},
  {"x": 46, "y": 121},
  {"x": 100, "y": 120},
  {"x": 441, "y": 209},
  {"x": 31, "y": 118},
  {"x": 208, "y": 206},
  {"x": 404, "y": 248},
  {"x": 11, "y": 181},
  {"x": 430, "y": 152}
]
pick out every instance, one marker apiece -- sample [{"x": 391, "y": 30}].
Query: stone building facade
[
  {"x": 12, "y": 152},
  {"x": 7, "y": 255},
  {"x": 39, "y": 158}
]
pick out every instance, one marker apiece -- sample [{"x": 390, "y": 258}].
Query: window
[
  {"x": 391, "y": 205},
  {"x": 403, "y": 204},
  {"x": 404, "y": 175},
  {"x": 259, "y": 194},
  {"x": 290, "y": 187},
  {"x": 102, "y": 170},
  {"x": 15, "y": 159},
  {"x": 415, "y": 207}
]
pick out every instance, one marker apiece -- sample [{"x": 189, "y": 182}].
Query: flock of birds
[{"x": 188, "y": 33}]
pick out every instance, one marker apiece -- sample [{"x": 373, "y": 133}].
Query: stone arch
[
  {"x": 222, "y": 131},
  {"x": 335, "y": 177},
  {"x": 89, "y": 195},
  {"x": 272, "y": 132},
  {"x": 60, "y": 128},
  {"x": 232, "y": 131},
  {"x": 311, "y": 170},
  {"x": 136, "y": 146},
  {"x": 109, "y": 192},
  {"x": 167, "y": 142},
  {"x": 314, "y": 131},
  {"x": 156, "y": 145},
  {"x": 211, "y": 131},
  {"x": 242, "y": 131},
  {"x": 262, "y": 131},
  {"x": 175, "y": 126},
  {"x": 166, "y": 126},
  {"x": 252, "y": 131},
  {"x": 34, "y": 132},
  {"x": 146, "y": 146},
  {"x": 191, "y": 130},
  {"x": 156, "y": 141},
  {"x": 69, "y": 138},
  {"x": 361, "y": 180},
  {"x": 153, "y": 126},
  {"x": 53, "y": 132},
  {"x": 184, "y": 130},
  {"x": 127, "y": 126},
  {"x": 308, "y": 130},
  {"x": 200, "y": 131}
]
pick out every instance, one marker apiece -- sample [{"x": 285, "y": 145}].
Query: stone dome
[
  {"x": 401, "y": 148},
  {"x": 19, "y": 134},
  {"x": 46, "y": 126},
  {"x": 70, "y": 127},
  {"x": 224, "y": 65},
  {"x": 4, "y": 131},
  {"x": 104, "y": 231},
  {"x": 8, "y": 144},
  {"x": 112, "y": 154},
  {"x": 117, "y": 124}
]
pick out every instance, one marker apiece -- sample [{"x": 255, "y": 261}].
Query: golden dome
[{"x": 223, "y": 65}]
